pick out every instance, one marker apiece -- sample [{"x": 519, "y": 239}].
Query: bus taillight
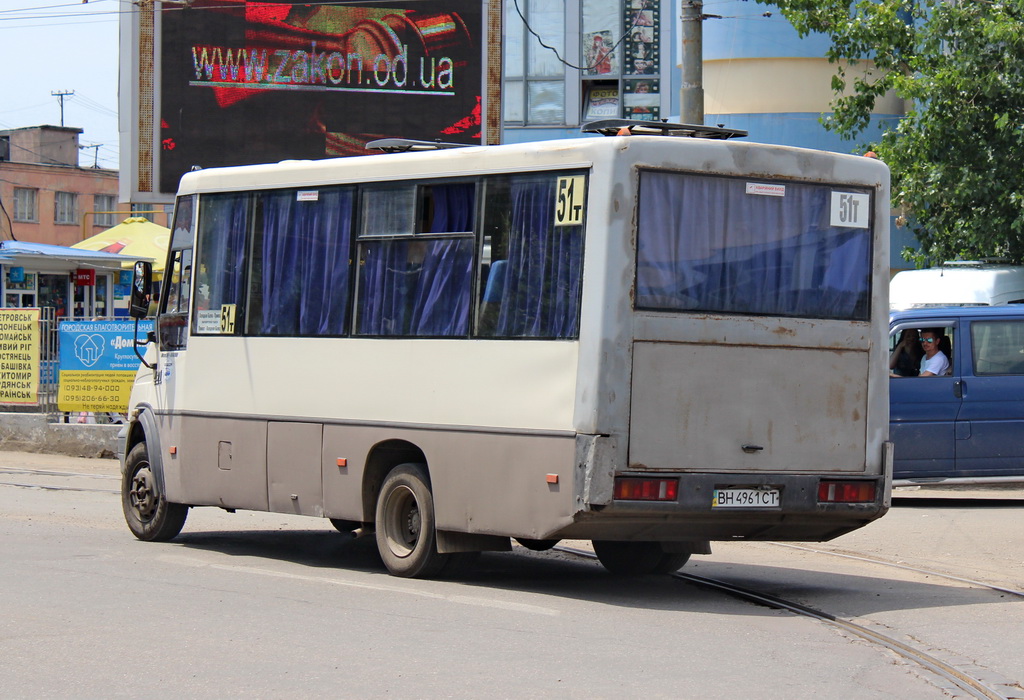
[
  {"x": 634, "y": 488},
  {"x": 846, "y": 492}
]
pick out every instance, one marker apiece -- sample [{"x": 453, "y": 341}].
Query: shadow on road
[{"x": 566, "y": 576}]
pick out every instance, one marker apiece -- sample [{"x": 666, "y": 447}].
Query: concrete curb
[{"x": 31, "y": 432}]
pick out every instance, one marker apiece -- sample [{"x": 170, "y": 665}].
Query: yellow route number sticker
[
  {"x": 227, "y": 319},
  {"x": 569, "y": 203}
]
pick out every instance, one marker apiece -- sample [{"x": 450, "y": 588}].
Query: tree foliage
[{"x": 957, "y": 158}]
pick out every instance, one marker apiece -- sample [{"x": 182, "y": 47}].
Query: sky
[{"x": 49, "y": 46}]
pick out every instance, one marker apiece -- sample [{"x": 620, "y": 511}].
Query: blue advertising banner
[
  {"x": 97, "y": 364},
  {"x": 100, "y": 345}
]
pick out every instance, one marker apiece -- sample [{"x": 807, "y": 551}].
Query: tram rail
[{"x": 973, "y": 687}]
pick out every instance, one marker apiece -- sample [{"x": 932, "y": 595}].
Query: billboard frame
[{"x": 141, "y": 82}]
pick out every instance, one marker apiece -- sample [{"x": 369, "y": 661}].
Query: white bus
[{"x": 648, "y": 341}]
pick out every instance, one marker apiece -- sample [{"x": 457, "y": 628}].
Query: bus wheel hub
[{"x": 142, "y": 493}]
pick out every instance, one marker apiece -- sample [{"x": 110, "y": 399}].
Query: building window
[
  {"x": 534, "y": 75},
  {"x": 144, "y": 210},
  {"x": 25, "y": 204},
  {"x": 65, "y": 208},
  {"x": 106, "y": 210}
]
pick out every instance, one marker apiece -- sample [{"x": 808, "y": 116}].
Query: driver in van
[{"x": 935, "y": 363}]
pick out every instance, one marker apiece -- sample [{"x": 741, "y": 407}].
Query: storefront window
[
  {"x": 620, "y": 50},
  {"x": 53, "y": 293}
]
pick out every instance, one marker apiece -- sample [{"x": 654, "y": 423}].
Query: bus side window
[
  {"x": 225, "y": 221},
  {"x": 300, "y": 262},
  {"x": 541, "y": 256},
  {"x": 416, "y": 283}
]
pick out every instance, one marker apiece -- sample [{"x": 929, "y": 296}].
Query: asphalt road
[{"x": 265, "y": 605}]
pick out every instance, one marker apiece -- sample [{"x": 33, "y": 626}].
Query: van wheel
[
  {"x": 638, "y": 558},
  {"x": 148, "y": 514},
  {"x": 405, "y": 524}
]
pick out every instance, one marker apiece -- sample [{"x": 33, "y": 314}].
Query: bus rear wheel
[
  {"x": 638, "y": 558},
  {"x": 404, "y": 522},
  {"x": 148, "y": 514}
]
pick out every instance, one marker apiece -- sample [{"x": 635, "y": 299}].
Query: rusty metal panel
[{"x": 742, "y": 408}]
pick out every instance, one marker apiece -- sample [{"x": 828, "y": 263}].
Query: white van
[{"x": 957, "y": 284}]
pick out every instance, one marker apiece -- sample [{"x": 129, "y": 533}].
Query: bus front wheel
[
  {"x": 405, "y": 524},
  {"x": 637, "y": 558},
  {"x": 148, "y": 514}
]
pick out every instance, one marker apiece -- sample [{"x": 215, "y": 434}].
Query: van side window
[{"x": 998, "y": 347}]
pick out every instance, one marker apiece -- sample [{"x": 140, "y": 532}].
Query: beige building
[{"x": 46, "y": 197}]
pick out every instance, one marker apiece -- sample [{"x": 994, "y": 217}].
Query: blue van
[{"x": 968, "y": 425}]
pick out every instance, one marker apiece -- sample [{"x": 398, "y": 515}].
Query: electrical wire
[
  {"x": 597, "y": 60},
  {"x": 49, "y": 7}
]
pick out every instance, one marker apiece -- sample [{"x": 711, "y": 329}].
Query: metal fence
[{"x": 49, "y": 374}]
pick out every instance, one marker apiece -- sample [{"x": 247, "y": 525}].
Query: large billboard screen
[{"x": 243, "y": 81}]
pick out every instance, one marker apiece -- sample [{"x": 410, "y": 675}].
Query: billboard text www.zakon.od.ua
[{"x": 248, "y": 82}]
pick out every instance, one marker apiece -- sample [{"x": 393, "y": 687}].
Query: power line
[{"x": 48, "y": 7}]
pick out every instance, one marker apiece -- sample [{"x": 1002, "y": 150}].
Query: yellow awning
[{"x": 136, "y": 237}]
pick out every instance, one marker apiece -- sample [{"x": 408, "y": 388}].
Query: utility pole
[
  {"x": 691, "y": 95},
  {"x": 95, "y": 153},
  {"x": 60, "y": 96}
]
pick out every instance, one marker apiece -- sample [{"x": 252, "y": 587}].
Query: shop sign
[{"x": 85, "y": 277}]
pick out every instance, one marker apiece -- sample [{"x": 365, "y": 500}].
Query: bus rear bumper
[{"x": 787, "y": 508}]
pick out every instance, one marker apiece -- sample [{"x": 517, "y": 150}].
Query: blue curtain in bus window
[
  {"x": 421, "y": 287},
  {"x": 305, "y": 262},
  {"x": 454, "y": 206},
  {"x": 223, "y": 232},
  {"x": 442, "y": 293},
  {"x": 441, "y": 307},
  {"x": 542, "y": 283},
  {"x": 707, "y": 244},
  {"x": 389, "y": 271}
]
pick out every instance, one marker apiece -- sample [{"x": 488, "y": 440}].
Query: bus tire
[
  {"x": 404, "y": 523},
  {"x": 148, "y": 514},
  {"x": 637, "y": 558}
]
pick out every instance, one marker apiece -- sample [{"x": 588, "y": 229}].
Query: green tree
[{"x": 957, "y": 158}]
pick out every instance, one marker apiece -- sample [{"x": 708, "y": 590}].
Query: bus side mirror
[{"x": 142, "y": 281}]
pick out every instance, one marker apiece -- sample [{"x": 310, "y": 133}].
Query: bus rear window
[{"x": 742, "y": 246}]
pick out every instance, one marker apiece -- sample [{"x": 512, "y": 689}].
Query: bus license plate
[{"x": 745, "y": 498}]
